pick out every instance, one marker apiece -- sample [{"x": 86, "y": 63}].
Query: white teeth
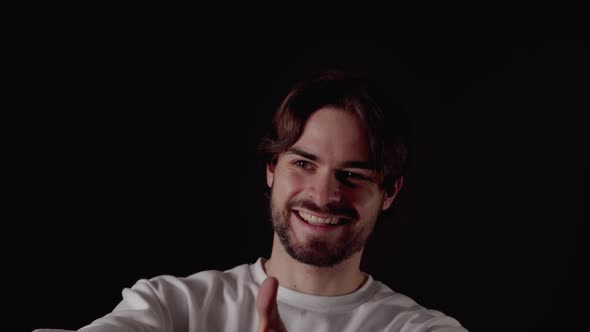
[{"x": 317, "y": 220}]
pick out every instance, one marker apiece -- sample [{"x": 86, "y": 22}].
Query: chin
[{"x": 316, "y": 252}]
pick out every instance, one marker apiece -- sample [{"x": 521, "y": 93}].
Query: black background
[{"x": 109, "y": 182}]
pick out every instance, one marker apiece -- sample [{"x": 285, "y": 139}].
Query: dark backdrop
[{"x": 107, "y": 183}]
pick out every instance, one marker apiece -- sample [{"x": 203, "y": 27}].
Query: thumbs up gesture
[{"x": 266, "y": 305}]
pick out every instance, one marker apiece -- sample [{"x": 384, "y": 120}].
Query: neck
[{"x": 340, "y": 279}]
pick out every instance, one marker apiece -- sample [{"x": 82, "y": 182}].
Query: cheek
[
  {"x": 362, "y": 195},
  {"x": 289, "y": 183},
  {"x": 364, "y": 199}
]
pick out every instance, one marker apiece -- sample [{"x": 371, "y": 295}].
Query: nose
[{"x": 325, "y": 188}]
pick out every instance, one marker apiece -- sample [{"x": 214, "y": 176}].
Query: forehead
[{"x": 335, "y": 134}]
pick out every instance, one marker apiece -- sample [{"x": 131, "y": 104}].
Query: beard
[{"x": 318, "y": 251}]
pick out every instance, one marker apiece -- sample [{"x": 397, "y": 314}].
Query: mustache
[{"x": 330, "y": 208}]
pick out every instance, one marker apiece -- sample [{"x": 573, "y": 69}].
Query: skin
[{"x": 325, "y": 174}]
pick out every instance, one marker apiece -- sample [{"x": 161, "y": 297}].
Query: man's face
[{"x": 325, "y": 197}]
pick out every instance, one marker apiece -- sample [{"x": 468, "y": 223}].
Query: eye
[
  {"x": 303, "y": 164},
  {"x": 349, "y": 177},
  {"x": 352, "y": 175}
]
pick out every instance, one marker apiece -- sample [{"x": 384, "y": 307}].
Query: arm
[{"x": 142, "y": 308}]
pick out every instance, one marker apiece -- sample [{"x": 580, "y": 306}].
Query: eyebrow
[{"x": 346, "y": 164}]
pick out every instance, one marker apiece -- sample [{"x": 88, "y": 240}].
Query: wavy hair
[{"x": 384, "y": 116}]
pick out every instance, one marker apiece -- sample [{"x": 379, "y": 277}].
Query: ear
[
  {"x": 392, "y": 193},
  {"x": 270, "y": 174}
]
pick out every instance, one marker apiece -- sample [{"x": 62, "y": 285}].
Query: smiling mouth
[{"x": 321, "y": 221}]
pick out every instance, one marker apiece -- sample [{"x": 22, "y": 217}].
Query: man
[{"x": 335, "y": 160}]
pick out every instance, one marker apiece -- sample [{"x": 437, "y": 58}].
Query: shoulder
[
  {"x": 169, "y": 303},
  {"x": 404, "y": 311},
  {"x": 201, "y": 283}
]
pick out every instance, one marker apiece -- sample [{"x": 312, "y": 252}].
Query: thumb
[{"x": 266, "y": 305}]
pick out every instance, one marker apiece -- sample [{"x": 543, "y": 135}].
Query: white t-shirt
[{"x": 226, "y": 301}]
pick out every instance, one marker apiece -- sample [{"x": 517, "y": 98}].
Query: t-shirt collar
[{"x": 315, "y": 302}]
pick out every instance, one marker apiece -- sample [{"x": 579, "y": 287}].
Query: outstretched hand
[{"x": 266, "y": 305}]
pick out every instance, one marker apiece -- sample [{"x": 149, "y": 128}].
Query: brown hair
[{"x": 384, "y": 117}]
